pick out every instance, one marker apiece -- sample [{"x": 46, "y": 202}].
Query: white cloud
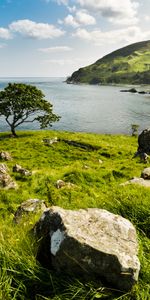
[
  {"x": 70, "y": 20},
  {"x": 35, "y": 30},
  {"x": 113, "y": 9},
  {"x": 55, "y": 49},
  {"x": 126, "y": 35},
  {"x": 5, "y": 33},
  {"x": 84, "y": 18},
  {"x": 147, "y": 18},
  {"x": 81, "y": 18}
]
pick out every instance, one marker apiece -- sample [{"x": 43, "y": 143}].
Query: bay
[{"x": 87, "y": 108}]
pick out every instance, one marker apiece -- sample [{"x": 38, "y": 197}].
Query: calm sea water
[{"x": 86, "y": 108}]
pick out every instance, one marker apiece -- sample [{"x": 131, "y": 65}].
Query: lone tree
[{"x": 22, "y": 103}]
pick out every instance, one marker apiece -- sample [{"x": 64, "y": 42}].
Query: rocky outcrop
[
  {"x": 18, "y": 169},
  {"x": 6, "y": 181},
  {"x": 92, "y": 243},
  {"x": 144, "y": 141},
  {"x": 28, "y": 207},
  {"x": 5, "y": 155}
]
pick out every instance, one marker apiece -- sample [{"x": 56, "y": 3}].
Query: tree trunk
[{"x": 13, "y": 131}]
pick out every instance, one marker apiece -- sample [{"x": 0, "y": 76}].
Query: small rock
[
  {"x": 6, "y": 182},
  {"x": 5, "y": 155},
  {"x": 146, "y": 173},
  {"x": 29, "y": 206},
  {"x": 137, "y": 180},
  {"x": 3, "y": 169},
  {"x": 100, "y": 161},
  {"x": 60, "y": 183},
  {"x": 50, "y": 141},
  {"x": 18, "y": 169}
]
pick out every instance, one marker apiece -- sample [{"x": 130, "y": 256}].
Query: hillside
[
  {"x": 130, "y": 64},
  {"x": 95, "y": 165}
]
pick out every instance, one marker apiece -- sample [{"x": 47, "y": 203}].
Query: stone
[
  {"x": 60, "y": 184},
  {"x": 144, "y": 141},
  {"x": 29, "y": 206},
  {"x": 50, "y": 141},
  {"x": 137, "y": 180},
  {"x": 92, "y": 243},
  {"x": 5, "y": 155},
  {"x": 3, "y": 169},
  {"x": 6, "y": 181},
  {"x": 18, "y": 169},
  {"x": 146, "y": 173}
]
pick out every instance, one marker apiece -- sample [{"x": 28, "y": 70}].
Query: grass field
[{"x": 95, "y": 185}]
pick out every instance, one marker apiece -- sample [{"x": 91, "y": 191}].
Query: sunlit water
[{"x": 86, "y": 108}]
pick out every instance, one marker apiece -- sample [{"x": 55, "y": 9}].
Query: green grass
[{"x": 95, "y": 185}]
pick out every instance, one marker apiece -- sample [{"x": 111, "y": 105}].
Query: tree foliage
[{"x": 22, "y": 103}]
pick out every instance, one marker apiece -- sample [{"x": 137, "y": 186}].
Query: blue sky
[{"x": 56, "y": 37}]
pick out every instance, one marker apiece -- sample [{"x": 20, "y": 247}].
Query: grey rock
[
  {"x": 92, "y": 243},
  {"x": 50, "y": 141},
  {"x": 60, "y": 184},
  {"x": 137, "y": 180},
  {"x": 18, "y": 169},
  {"x": 3, "y": 169},
  {"x": 5, "y": 155},
  {"x": 146, "y": 173},
  {"x": 29, "y": 206},
  {"x": 6, "y": 181}
]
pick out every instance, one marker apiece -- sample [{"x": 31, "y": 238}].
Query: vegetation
[
  {"x": 96, "y": 184},
  {"x": 130, "y": 64},
  {"x": 22, "y": 103}
]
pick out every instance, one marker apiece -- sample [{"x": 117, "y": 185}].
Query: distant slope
[{"x": 130, "y": 64}]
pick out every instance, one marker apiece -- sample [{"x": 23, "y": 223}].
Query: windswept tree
[{"x": 23, "y": 103}]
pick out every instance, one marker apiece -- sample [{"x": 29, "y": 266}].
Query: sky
[{"x": 53, "y": 38}]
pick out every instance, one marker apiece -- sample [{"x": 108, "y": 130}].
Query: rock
[
  {"x": 5, "y": 155},
  {"x": 7, "y": 182},
  {"x": 91, "y": 243},
  {"x": 3, "y": 169},
  {"x": 5, "y": 179},
  {"x": 19, "y": 169},
  {"x": 60, "y": 183},
  {"x": 146, "y": 173},
  {"x": 137, "y": 180},
  {"x": 29, "y": 206},
  {"x": 144, "y": 141},
  {"x": 100, "y": 161},
  {"x": 132, "y": 90},
  {"x": 50, "y": 141}
]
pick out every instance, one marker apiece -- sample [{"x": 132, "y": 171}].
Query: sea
[{"x": 89, "y": 108}]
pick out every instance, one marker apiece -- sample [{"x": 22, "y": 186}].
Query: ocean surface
[{"x": 86, "y": 108}]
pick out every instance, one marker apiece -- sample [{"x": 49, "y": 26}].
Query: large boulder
[
  {"x": 29, "y": 206},
  {"x": 92, "y": 243},
  {"x": 144, "y": 141}
]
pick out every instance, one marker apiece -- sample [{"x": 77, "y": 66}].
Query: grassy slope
[
  {"x": 96, "y": 186},
  {"x": 130, "y": 64}
]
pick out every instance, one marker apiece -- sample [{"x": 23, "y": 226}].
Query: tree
[{"x": 22, "y": 103}]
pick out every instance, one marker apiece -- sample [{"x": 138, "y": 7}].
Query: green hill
[{"x": 130, "y": 64}]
